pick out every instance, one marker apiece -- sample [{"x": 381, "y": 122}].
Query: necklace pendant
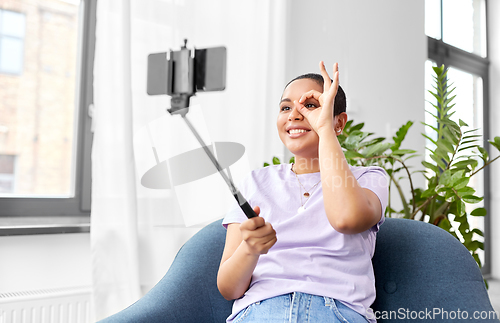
[{"x": 306, "y": 194}]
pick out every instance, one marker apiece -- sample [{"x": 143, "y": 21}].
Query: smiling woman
[{"x": 277, "y": 260}]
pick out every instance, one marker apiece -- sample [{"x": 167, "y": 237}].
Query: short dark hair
[{"x": 340, "y": 103}]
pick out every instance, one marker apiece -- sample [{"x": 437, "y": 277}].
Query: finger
[
  {"x": 268, "y": 245},
  {"x": 326, "y": 78},
  {"x": 335, "y": 85},
  {"x": 256, "y": 209},
  {"x": 266, "y": 230},
  {"x": 253, "y": 223},
  {"x": 310, "y": 94},
  {"x": 301, "y": 109}
]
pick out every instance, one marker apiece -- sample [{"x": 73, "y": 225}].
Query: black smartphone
[{"x": 179, "y": 72}]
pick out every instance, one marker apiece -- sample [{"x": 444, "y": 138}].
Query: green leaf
[
  {"x": 461, "y": 183},
  {"x": 484, "y": 154},
  {"x": 460, "y": 207},
  {"x": 462, "y": 123},
  {"x": 439, "y": 161},
  {"x": 351, "y": 154},
  {"x": 481, "y": 211},
  {"x": 456, "y": 175},
  {"x": 341, "y": 138},
  {"x": 401, "y": 152},
  {"x": 376, "y": 149},
  {"x": 438, "y": 70},
  {"x": 468, "y": 147},
  {"x": 412, "y": 156},
  {"x": 446, "y": 146},
  {"x": 371, "y": 142},
  {"x": 453, "y": 127},
  {"x": 472, "y": 245},
  {"x": 428, "y": 192},
  {"x": 495, "y": 142},
  {"x": 472, "y": 199},
  {"x": 400, "y": 135},
  {"x": 450, "y": 196},
  {"x": 466, "y": 163},
  {"x": 266, "y": 164},
  {"x": 471, "y": 136},
  {"x": 466, "y": 191},
  {"x": 432, "y": 127},
  {"x": 471, "y": 130},
  {"x": 429, "y": 138},
  {"x": 292, "y": 160},
  {"x": 478, "y": 232},
  {"x": 353, "y": 140},
  {"x": 431, "y": 166},
  {"x": 445, "y": 224},
  {"x": 465, "y": 142},
  {"x": 441, "y": 153},
  {"x": 359, "y": 126},
  {"x": 450, "y": 137},
  {"x": 347, "y": 127},
  {"x": 443, "y": 191},
  {"x": 276, "y": 161},
  {"x": 476, "y": 257}
]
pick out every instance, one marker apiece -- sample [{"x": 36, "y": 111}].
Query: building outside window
[{"x": 46, "y": 49}]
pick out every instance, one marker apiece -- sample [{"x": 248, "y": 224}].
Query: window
[
  {"x": 12, "y": 32},
  {"x": 456, "y": 31},
  {"x": 45, "y": 136}
]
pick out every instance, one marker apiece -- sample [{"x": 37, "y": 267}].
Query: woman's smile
[{"x": 297, "y": 131}]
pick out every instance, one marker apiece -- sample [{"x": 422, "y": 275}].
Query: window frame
[
  {"x": 442, "y": 53},
  {"x": 22, "y": 216}
]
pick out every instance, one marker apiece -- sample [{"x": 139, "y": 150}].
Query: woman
[{"x": 307, "y": 257}]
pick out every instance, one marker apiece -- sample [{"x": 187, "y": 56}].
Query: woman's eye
[
  {"x": 310, "y": 105},
  {"x": 284, "y": 108}
]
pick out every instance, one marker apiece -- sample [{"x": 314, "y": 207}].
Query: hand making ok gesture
[{"x": 321, "y": 118}]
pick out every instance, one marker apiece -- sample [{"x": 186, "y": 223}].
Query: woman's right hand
[{"x": 258, "y": 235}]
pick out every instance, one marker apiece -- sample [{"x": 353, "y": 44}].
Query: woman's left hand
[{"x": 322, "y": 118}]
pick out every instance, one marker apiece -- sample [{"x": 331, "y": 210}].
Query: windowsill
[{"x": 44, "y": 225}]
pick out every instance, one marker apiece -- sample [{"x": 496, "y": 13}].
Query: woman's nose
[{"x": 295, "y": 114}]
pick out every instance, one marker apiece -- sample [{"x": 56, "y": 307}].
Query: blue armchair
[{"x": 422, "y": 273}]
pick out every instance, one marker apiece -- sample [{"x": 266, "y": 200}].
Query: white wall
[{"x": 494, "y": 56}]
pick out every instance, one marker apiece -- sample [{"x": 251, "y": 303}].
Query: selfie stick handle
[{"x": 247, "y": 209}]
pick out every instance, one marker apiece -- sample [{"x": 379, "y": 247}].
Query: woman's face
[{"x": 294, "y": 130}]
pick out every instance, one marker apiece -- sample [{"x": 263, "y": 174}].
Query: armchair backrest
[{"x": 423, "y": 270}]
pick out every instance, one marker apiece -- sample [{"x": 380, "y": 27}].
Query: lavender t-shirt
[{"x": 309, "y": 256}]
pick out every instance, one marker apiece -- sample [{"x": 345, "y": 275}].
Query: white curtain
[{"x": 136, "y": 231}]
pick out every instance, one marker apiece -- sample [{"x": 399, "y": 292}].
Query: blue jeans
[{"x": 299, "y": 307}]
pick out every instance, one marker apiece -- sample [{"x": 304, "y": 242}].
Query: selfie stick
[{"x": 180, "y": 105}]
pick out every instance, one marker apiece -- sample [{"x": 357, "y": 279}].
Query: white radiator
[{"x": 62, "y": 305}]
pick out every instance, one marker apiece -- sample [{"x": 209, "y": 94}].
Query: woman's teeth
[{"x": 297, "y": 131}]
